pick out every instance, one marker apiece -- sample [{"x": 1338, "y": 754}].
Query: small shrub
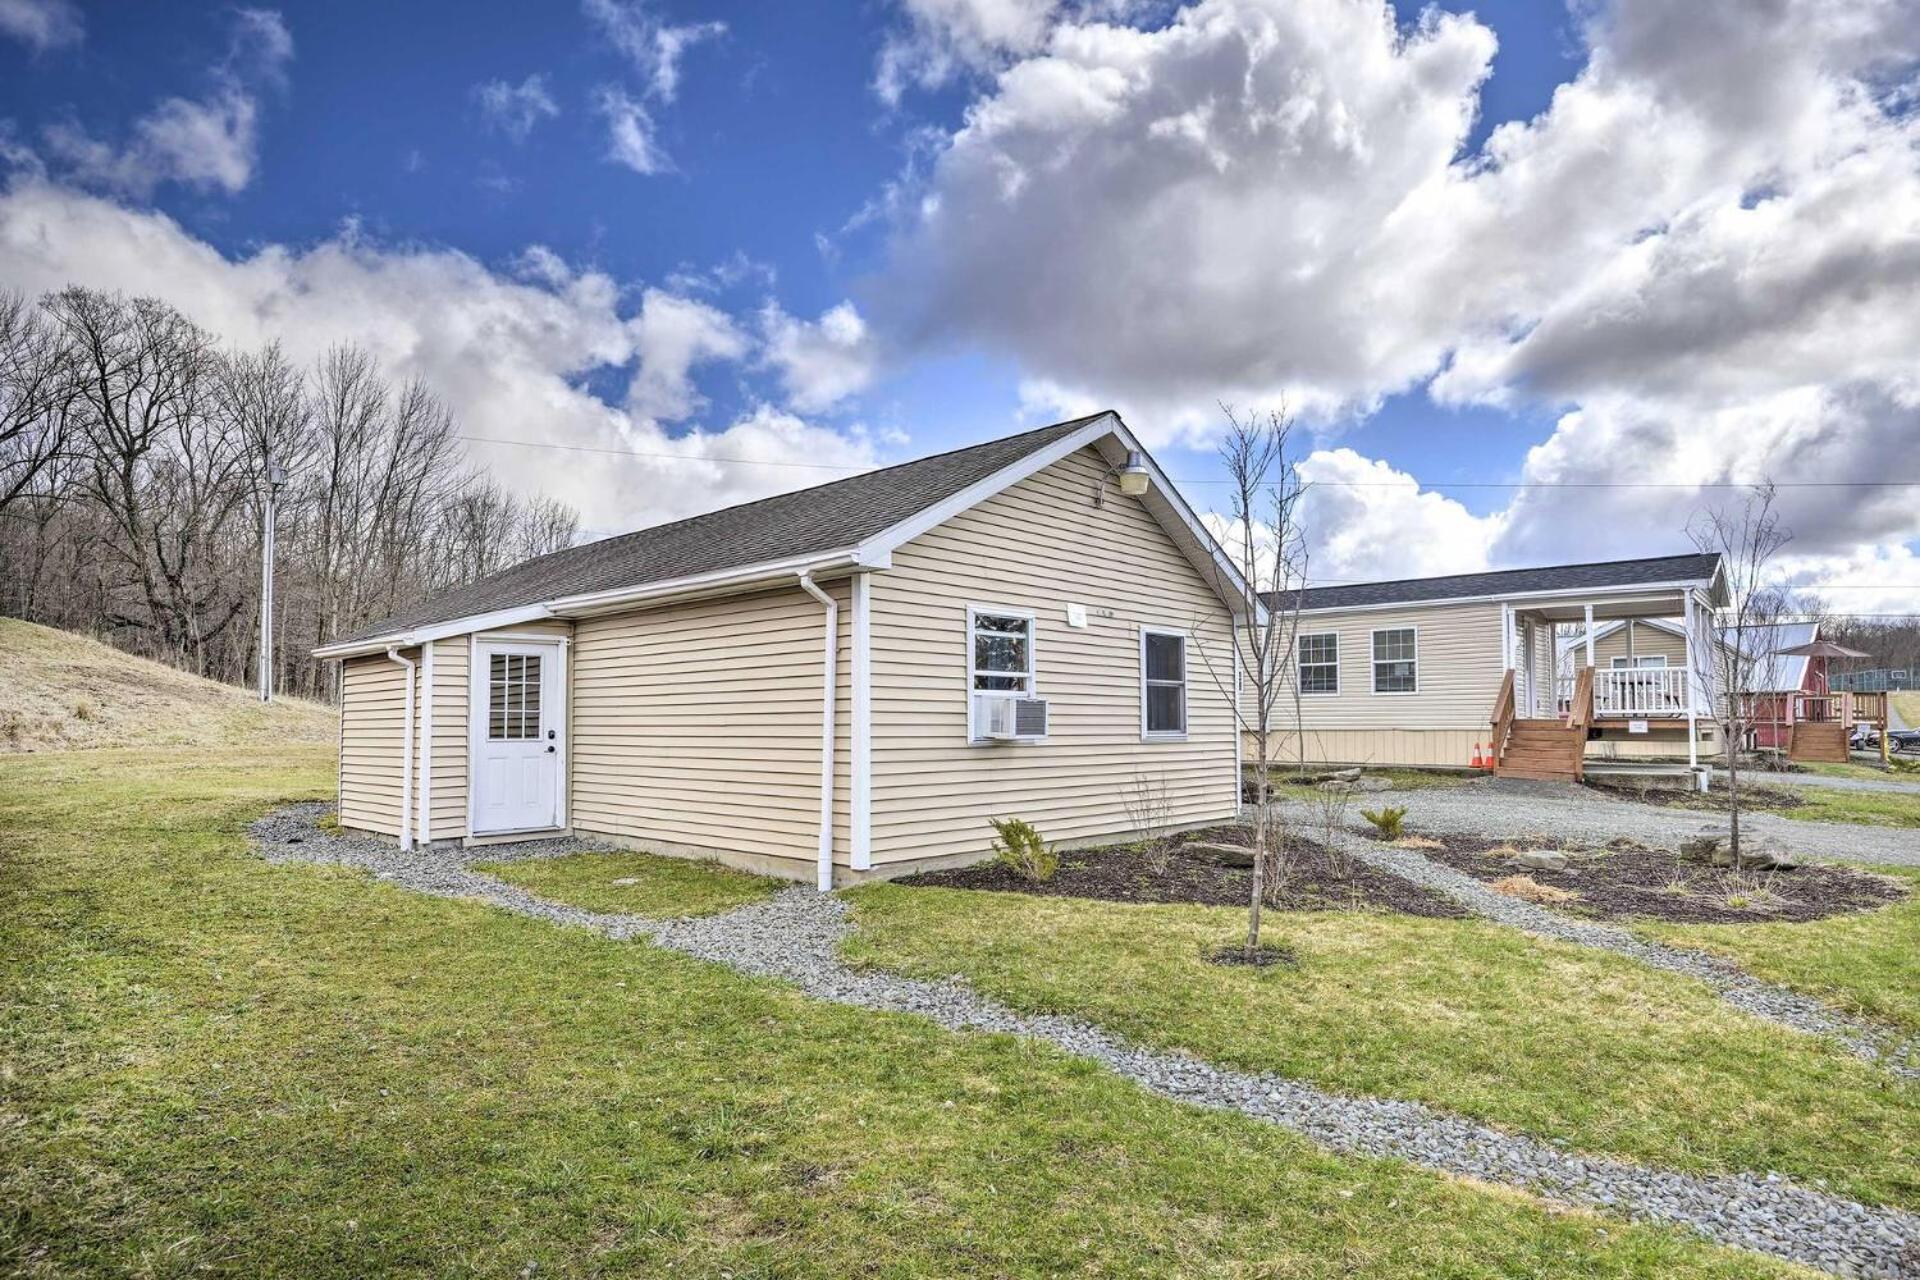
[
  {"x": 1018, "y": 846},
  {"x": 83, "y": 710},
  {"x": 1389, "y": 820}
]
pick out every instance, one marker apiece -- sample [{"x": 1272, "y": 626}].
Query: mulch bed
[
  {"x": 1316, "y": 881},
  {"x": 1626, "y": 880},
  {"x": 1715, "y": 801}
]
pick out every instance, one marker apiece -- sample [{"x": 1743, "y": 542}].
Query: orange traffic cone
[{"x": 1479, "y": 759}]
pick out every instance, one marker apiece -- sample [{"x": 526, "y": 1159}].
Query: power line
[{"x": 1339, "y": 484}]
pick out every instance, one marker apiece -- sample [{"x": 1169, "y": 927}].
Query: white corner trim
[
  {"x": 860, "y": 821},
  {"x": 830, "y": 659},
  {"x": 406, "y": 750}
]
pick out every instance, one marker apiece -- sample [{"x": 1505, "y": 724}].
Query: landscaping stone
[
  {"x": 1541, "y": 860},
  {"x": 795, "y": 936},
  {"x": 1227, "y": 855}
]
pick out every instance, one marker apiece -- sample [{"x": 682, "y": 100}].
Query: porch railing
[{"x": 1632, "y": 692}]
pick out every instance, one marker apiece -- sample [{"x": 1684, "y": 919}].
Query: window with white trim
[
  {"x": 1396, "y": 662},
  {"x": 1644, "y": 660},
  {"x": 1002, "y": 647},
  {"x": 1163, "y": 684},
  {"x": 1320, "y": 663}
]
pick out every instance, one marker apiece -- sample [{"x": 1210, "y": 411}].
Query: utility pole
[{"x": 276, "y": 477}]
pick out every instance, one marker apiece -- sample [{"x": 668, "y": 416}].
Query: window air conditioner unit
[{"x": 1003, "y": 718}]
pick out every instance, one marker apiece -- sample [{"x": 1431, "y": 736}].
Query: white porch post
[
  {"x": 1693, "y": 690},
  {"x": 1531, "y": 641},
  {"x": 1588, "y": 610}
]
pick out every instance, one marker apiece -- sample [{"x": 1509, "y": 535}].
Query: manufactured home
[
  {"x": 836, "y": 683},
  {"x": 1450, "y": 671}
]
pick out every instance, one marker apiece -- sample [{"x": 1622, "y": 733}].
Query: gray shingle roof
[
  {"x": 827, "y": 517},
  {"x": 1558, "y": 577}
]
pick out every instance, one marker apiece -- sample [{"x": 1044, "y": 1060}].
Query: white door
[{"x": 519, "y": 736}]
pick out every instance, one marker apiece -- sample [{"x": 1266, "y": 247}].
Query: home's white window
[
  {"x": 1163, "y": 683},
  {"x": 1645, "y": 660},
  {"x": 513, "y": 697},
  {"x": 1320, "y": 663},
  {"x": 1000, "y": 657},
  {"x": 1396, "y": 660}
]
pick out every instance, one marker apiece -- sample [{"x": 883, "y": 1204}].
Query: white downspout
[
  {"x": 406, "y": 753},
  {"x": 831, "y": 648},
  {"x": 423, "y": 825}
]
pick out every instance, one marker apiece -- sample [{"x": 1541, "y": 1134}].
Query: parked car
[
  {"x": 1905, "y": 740},
  {"x": 1863, "y": 738}
]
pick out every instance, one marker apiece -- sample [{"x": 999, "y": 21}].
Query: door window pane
[{"x": 513, "y": 697}]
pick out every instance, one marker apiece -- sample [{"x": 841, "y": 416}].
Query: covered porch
[{"x": 1601, "y": 680}]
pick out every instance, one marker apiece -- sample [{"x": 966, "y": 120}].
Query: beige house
[
  {"x": 842, "y": 682},
  {"x": 1439, "y": 671}
]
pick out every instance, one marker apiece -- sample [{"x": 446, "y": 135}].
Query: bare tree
[
  {"x": 36, "y": 390},
  {"x": 1747, "y": 537},
  {"x": 1268, "y": 550},
  {"x": 1150, "y": 815}
]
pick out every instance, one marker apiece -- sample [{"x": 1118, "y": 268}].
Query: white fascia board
[
  {"x": 435, "y": 631},
  {"x": 876, "y": 552},
  {"x": 979, "y": 491},
  {"x": 1597, "y": 595},
  {"x": 592, "y": 602}
]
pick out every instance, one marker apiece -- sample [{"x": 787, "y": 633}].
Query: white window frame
[
  {"x": 1297, "y": 664},
  {"x": 1640, "y": 662},
  {"x": 1373, "y": 662},
  {"x": 1186, "y": 681},
  {"x": 1032, "y": 619}
]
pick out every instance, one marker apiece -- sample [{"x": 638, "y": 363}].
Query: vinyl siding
[
  {"x": 1647, "y": 641},
  {"x": 1431, "y": 748},
  {"x": 1037, "y": 547},
  {"x": 698, "y": 725},
  {"x": 1458, "y": 672},
  {"x": 372, "y": 714}
]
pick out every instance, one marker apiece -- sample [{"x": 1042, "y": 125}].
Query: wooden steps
[
  {"x": 1544, "y": 750},
  {"x": 1818, "y": 741}
]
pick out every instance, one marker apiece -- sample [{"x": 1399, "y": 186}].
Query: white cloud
[
  {"x": 1366, "y": 520},
  {"x": 510, "y": 355},
  {"x": 211, "y": 142},
  {"x": 821, "y": 362},
  {"x": 938, "y": 39},
  {"x": 654, "y": 46},
  {"x": 630, "y": 132},
  {"x": 1701, "y": 256},
  {"x": 671, "y": 336},
  {"x": 514, "y": 109},
  {"x": 42, "y": 24}
]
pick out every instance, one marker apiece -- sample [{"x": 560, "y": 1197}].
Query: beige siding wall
[
  {"x": 1459, "y": 672},
  {"x": 1434, "y": 748},
  {"x": 372, "y": 716},
  {"x": 1647, "y": 641},
  {"x": 698, "y": 725},
  {"x": 1038, "y": 547}
]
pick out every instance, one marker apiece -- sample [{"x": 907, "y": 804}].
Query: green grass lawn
[
  {"x": 1870, "y": 808},
  {"x": 1867, "y": 963},
  {"x": 1551, "y": 1039},
  {"x": 213, "y": 1066},
  {"x": 640, "y": 884},
  {"x": 1904, "y": 769}
]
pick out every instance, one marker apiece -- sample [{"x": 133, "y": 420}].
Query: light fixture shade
[{"x": 1135, "y": 479}]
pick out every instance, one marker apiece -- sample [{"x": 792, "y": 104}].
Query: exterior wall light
[{"x": 1135, "y": 479}]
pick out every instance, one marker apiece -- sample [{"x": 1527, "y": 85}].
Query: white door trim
[{"x": 554, "y": 651}]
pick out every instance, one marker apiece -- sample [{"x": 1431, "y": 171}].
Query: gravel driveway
[
  {"x": 1767, "y": 779},
  {"x": 1505, "y": 808},
  {"x": 796, "y": 937}
]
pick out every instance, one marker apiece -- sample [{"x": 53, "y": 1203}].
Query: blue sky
[{"x": 1397, "y": 181}]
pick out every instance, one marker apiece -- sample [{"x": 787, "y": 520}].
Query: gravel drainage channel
[{"x": 796, "y": 935}]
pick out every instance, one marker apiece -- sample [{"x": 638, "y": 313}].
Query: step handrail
[
  {"x": 1580, "y": 710},
  {"x": 1503, "y": 708}
]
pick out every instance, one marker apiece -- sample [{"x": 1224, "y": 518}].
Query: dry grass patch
[
  {"x": 68, "y": 692},
  {"x": 1417, "y": 842},
  {"x": 1527, "y": 889}
]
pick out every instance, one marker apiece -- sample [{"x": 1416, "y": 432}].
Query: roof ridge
[{"x": 1482, "y": 573}]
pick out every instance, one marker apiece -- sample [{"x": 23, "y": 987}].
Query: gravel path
[
  {"x": 1564, "y": 811},
  {"x": 1767, "y": 779},
  {"x": 1738, "y": 988},
  {"x": 796, "y": 937}
]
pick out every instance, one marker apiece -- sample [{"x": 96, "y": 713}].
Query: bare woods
[{"x": 133, "y": 452}]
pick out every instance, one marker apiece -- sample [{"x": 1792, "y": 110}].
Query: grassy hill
[
  {"x": 1906, "y": 711},
  {"x": 67, "y": 692}
]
